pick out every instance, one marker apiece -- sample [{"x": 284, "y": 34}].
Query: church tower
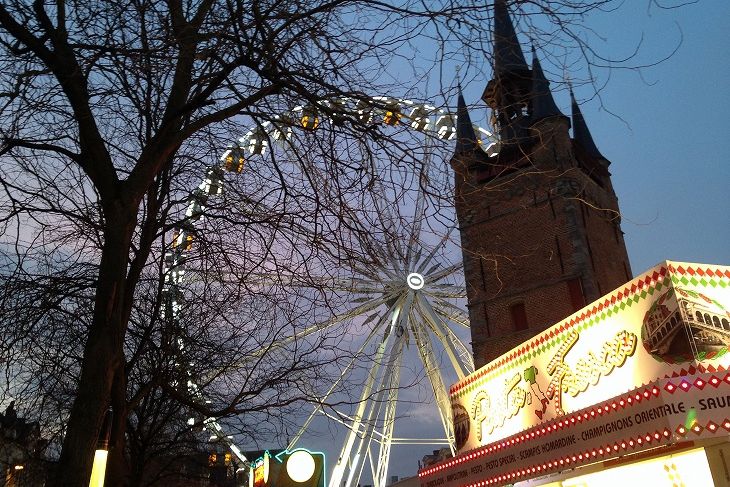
[{"x": 539, "y": 221}]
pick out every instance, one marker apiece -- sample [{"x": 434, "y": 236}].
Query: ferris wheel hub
[{"x": 415, "y": 281}]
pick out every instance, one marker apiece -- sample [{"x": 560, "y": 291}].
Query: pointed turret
[
  {"x": 508, "y": 57},
  {"x": 507, "y": 94},
  {"x": 466, "y": 139},
  {"x": 543, "y": 104},
  {"x": 581, "y": 134}
]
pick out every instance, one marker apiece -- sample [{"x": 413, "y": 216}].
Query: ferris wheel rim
[{"x": 442, "y": 125}]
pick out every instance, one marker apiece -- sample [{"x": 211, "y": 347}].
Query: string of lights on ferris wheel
[{"x": 416, "y": 295}]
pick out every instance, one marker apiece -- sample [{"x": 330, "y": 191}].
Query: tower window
[
  {"x": 575, "y": 290},
  {"x": 519, "y": 316}
]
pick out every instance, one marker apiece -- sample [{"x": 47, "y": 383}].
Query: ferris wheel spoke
[
  {"x": 436, "y": 325},
  {"x": 453, "y": 294},
  {"x": 444, "y": 272},
  {"x": 384, "y": 214},
  {"x": 420, "y": 202},
  {"x": 392, "y": 256},
  {"x": 345, "y": 316},
  {"x": 425, "y": 353},
  {"x": 343, "y": 462},
  {"x": 346, "y": 421},
  {"x": 376, "y": 405},
  {"x": 388, "y": 424},
  {"x": 467, "y": 359},
  {"x": 452, "y": 313},
  {"x": 406, "y": 312},
  {"x": 281, "y": 344},
  {"x": 362, "y": 286},
  {"x": 429, "y": 258},
  {"x": 356, "y": 356}
]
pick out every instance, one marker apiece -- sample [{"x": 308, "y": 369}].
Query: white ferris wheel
[{"x": 404, "y": 296}]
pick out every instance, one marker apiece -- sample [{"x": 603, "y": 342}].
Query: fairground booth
[{"x": 633, "y": 389}]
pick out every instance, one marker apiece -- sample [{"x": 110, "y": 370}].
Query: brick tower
[{"x": 540, "y": 224}]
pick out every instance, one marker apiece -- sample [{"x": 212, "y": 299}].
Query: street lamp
[{"x": 98, "y": 471}]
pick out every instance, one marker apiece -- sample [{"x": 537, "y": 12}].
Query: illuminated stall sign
[
  {"x": 260, "y": 471},
  {"x": 671, "y": 319},
  {"x": 665, "y": 412}
]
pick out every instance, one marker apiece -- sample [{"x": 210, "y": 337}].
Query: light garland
[{"x": 630, "y": 443}]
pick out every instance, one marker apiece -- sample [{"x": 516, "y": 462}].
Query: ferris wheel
[{"x": 403, "y": 294}]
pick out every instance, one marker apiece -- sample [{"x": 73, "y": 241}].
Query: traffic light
[{"x": 296, "y": 468}]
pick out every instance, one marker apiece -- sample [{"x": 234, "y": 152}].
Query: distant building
[
  {"x": 216, "y": 468},
  {"x": 540, "y": 223},
  {"x": 436, "y": 457},
  {"x": 21, "y": 446}
]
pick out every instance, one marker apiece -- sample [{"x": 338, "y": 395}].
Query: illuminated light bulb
[{"x": 300, "y": 466}]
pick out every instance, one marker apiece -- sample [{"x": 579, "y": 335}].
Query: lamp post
[{"x": 102, "y": 451}]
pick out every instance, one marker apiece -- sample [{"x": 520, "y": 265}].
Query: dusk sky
[
  {"x": 670, "y": 153},
  {"x": 665, "y": 130}
]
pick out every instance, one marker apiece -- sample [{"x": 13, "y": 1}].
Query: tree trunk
[
  {"x": 103, "y": 353},
  {"x": 117, "y": 469}
]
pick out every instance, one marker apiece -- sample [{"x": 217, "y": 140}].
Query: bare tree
[{"x": 110, "y": 113}]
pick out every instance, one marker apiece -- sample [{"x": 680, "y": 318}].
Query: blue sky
[
  {"x": 664, "y": 128},
  {"x": 670, "y": 157}
]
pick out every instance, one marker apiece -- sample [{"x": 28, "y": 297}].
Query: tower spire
[
  {"x": 508, "y": 55},
  {"x": 581, "y": 134},
  {"x": 466, "y": 139},
  {"x": 508, "y": 93},
  {"x": 543, "y": 104}
]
